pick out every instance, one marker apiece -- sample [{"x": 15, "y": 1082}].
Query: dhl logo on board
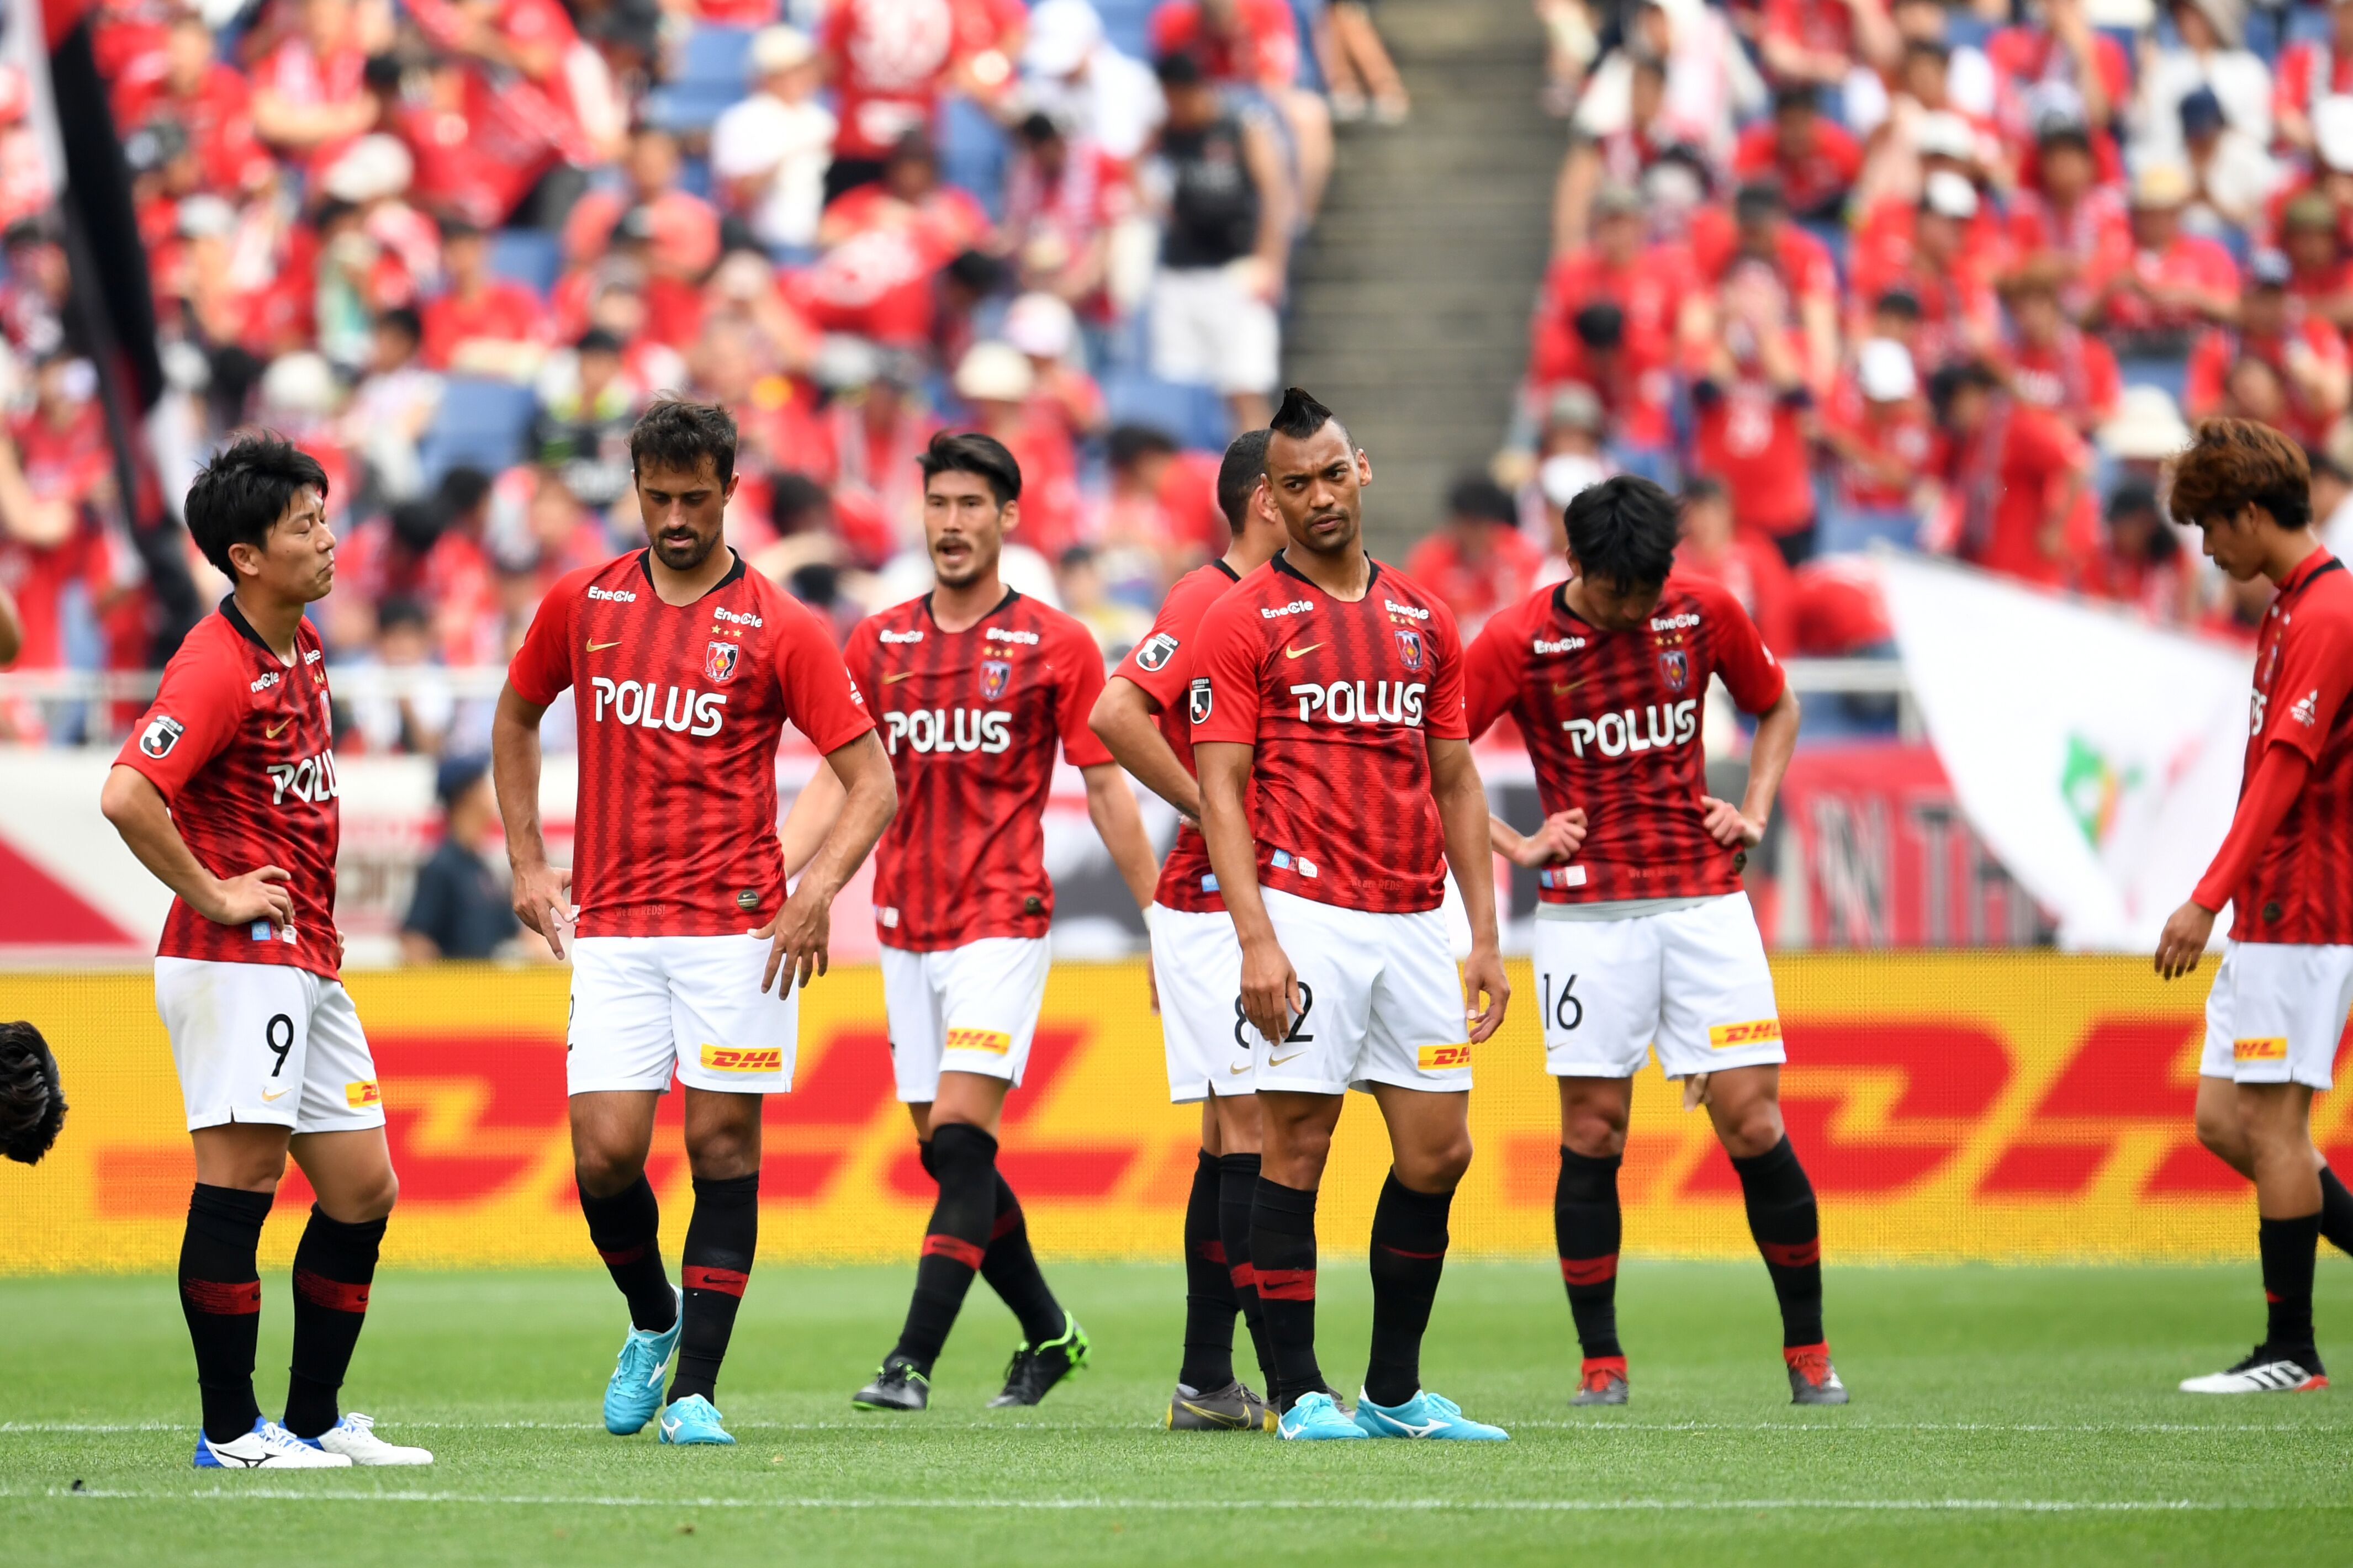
[{"x": 1986, "y": 1106}]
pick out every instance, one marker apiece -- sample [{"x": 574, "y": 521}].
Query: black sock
[
  {"x": 1237, "y": 1186},
  {"x": 964, "y": 1159},
  {"x": 2289, "y": 1248},
  {"x": 335, "y": 1263},
  {"x": 1012, "y": 1271},
  {"x": 1209, "y": 1304},
  {"x": 1781, "y": 1217},
  {"x": 1409, "y": 1255},
  {"x": 722, "y": 1236},
  {"x": 220, "y": 1295},
  {"x": 625, "y": 1230},
  {"x": 2336, "y": 1212},
  {"x": 1283, "y": 1261},
  {"x": 1586, "y": 1226}
]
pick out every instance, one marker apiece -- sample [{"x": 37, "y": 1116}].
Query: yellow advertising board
[{"x": 1994, "y": 1106}]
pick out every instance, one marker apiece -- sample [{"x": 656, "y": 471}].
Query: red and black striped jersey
[
  {"x": 680, "y": 710},
  {"x": 1612, "y": 722},
  {"x": 971, "y": 720},
  {"x": 1162, "y": 666},
  {"x": 2301, "y": 890},
  {"x": 241, "y": 745},
  {"x": 1339, "y": 700}
]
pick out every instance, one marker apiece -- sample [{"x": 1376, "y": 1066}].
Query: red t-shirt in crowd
[
  {"x": 217, "y": 117},
  {"x": 2025, "y": 459},
  {"x": 2220, "y": 348},
  {"x": 1897, "y": 431},
  {"x": 878, "y": 281},
  {"x": 1612, "y": 723},
  {"x": 1802, "y": 261},
  {"x": 505, "y": 312},
  {"x": 2308, "y": 71},
  {"x": 2096, "y": 233},
  {"x": 1838, "y": 608},
  {"x": 1268, "y": 56},
  {"x": 2192, "y": 259},
  {"x": 1752, "y": 437},
  {"x": 2301, "y": 890},
  {"x": 1823, "y": 27},
  {"x": 301, "y": 75},
  {"x": 679, "y": 708},
  {"x": 1751, "y": 570},
  {"x": 37, "y": 578},
  {"x": 1813, "y": 180},
  {"x": 2074, "y": 376},
  {"x": 894, "y": 57},
  {"x": 1476, "y": 588},
  {"x": 971, "y": 720},
  {"x": 1161, "y": 666},
  {"x": 481, "y": 158},
  {"x": 241, "y": 745}
]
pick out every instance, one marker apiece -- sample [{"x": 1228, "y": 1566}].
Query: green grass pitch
[{"x": 2011, "y": 1415}]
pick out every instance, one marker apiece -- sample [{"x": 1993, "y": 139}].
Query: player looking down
[
  {"x": 32, "y": 1097},
  {"x": 2280, "y": 998},
  {"x": 1644, "y": 938},
  {"x": 686, "y": 952},
  {"x": 1336, "y": 789}
]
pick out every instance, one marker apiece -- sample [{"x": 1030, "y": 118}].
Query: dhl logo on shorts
[
  {"x": 995, "y": 1042},
  {"x": 1439, "y": 1059},
  {"x": 357, "y": 1095},
  {"x": 732, "y": 1059},
  {"x": 1732, "y": 1036},
  {"x": 2272, "y": 1049}
]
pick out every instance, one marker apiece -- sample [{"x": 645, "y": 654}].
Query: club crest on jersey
[
  {"x": 1408, "y": 643},
  {"x": 161, "y": 735},
  {"x": 995, "y": 675},
  {"x": 1155, "y": 651},
  {"x": 718, "y": 661},
  {"x": 1200, "y": 708},
  {"x": 1674, "y": 668}
]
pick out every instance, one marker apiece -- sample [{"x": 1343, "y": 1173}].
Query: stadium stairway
[{"x": 1410, "y": 298}]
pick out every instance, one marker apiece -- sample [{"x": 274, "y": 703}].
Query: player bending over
[
  {"x": 2279, "y": 1001},
  {"x": 1197, "y": 964},
  {"x": 1336, "y": 788},
  {"x": 227, "y": 792},
  {"x": 976, "y": 686},
  {"x": 1644, "y": 938},
  {"x": 684, "y": 667},
  {"x": 32, "y": 1098}
]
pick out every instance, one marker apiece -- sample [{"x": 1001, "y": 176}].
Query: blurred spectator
[
  {"x": 2052, "y": 363},
  {"x": 1818, "y": 44},
  {"x": 1878, "y": 427},
  {"x": 1081, "y": 82},
  {"x": 1252, "y": 48},
  {"x": 2309, "y": 70},
  {"x": 887, "y": 242},
  {"x": 1162, "y": 499},
  {"x": 1063, "y": 203},
  {"x": 1607, "y": 321},
  {"x": 460, "y": 910},
  {"x": 1814, "y": 158},
  {"x": 1959, "y": 317},
  {"x": 483, "y": 325},
  {"x": 2145, "y": 432},
  {"x": 2279, "y": 364},
  {"x": 391, "y": 409},
  {"x": 1116, "y": 624},
  {"x": 1363, "y": 78},
  {"x": 2142, "y": 562},
  {"x": 588, "y": 402},
  {"x": 2231, "y": 172},
  {"x": 1752, "y": 405},
  {"x": 307, "y": 96},
  {"x": 2209, "y": 57},
  {"x": 770, "y": 149},
  {"x": 891, "y": 61},
  {"x": 416, "y": 720},
  {"x": 1478, "y": 561},
  {"x": 1746, "y": 564},
  {"x": 2322, "y": 277},
  {"x": 2067, "y": 219},
  {"x": 2016, "y": 482},
  {"x": 2174, "y": 283}
]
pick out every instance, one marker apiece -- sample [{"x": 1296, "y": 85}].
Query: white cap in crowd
[
  {"x": 1566, "y": 474},
  {"x": 1041, "y": 326},
  {"x": 994, "y": 373},
  {"x": 2332, "y": 131},
  {"x": 1884, "y": 371},
  {"x": 1062, "y": 33},
  {"x": 1950, "y": 194},
  {"x": 778, "y": 50},
  {"x": 2146, "y": 427}
]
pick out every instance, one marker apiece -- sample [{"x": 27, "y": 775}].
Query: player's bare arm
[
  {"x": 1742, "y": 827},
  {"x": 1122, "y": 721},
  {"x": 1270, "y": 986},
  {"x": 1111, "y": 806},
  {"x": 803, "y": 927},
  {"x": 543, "y": 893},
  {"x": 810, "y": 819},
  {"x": 2261, "y": 808},
  {"x": 1463, "y": 815},
  {"x": 1556, "y": 840},
  {"x": 135, "y": 806}
]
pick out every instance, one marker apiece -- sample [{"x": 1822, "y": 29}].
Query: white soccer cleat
[
  {"x": 268, "y": 1447},
  {"x": 2265, "y": 1371},
  {"x": 355, "y": 1439}
]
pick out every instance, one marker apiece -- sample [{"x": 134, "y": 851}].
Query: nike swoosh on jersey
[
  {"x": 601, "y": 646},
  {"x": 267, "y": 1096},
  {"x": 1278, "y": 1061},
  {"x": 1246, "y": 1067},
  {"x": 269, "y": 733},
  {"x": 1301, "y": 652},
  {"x": 894, "y": 680},
  {"x": 1560, "y": 691}
]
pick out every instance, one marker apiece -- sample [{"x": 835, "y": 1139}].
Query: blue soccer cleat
[
  {"x": 1314, "y": 1420},
  {"x": 693, "y": 1419},
  {"x": 1426, "y": 1415},
  {"x": 636, "y": 1390},
  {"x": 268, "y": 1447}
]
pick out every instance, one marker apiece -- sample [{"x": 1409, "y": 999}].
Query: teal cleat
[
  {"x": 1316, "y": 1419},
  {"x": 1426, "y": 1415},
  {"x": 693, "y": 1419},
  {"x": 636, "y": 1390}
]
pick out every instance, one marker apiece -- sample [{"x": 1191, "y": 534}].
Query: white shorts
[
  {"x": 1692, "y": 982},
  {"x": 266, "y": 1043},
  {"x": 1383, "y": 1002},
  {"x": 644, "y": 1007},
  {"x": 2276, "y": 1013},
  {"x": 1209, "y": 330},
  {"x": 963, "y": 1009},
  {"x": 1197, "y": 964}
]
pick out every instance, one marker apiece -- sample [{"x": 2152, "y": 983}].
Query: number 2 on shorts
[{"x": 1298, "y": 1025}]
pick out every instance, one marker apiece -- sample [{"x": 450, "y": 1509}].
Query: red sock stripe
[
  {"x": 1212, "y": 1251},
  {"x": 1794, "y": 1254},
  {"x": 943, "y": 1246},
  {"x": 1589, "y": 1270},
  {"x": 726, "y": 1281},
  {"x": 1421, "y": 1256},
  {"x": 229, "y": 1299},
  {"x": 335, "y": 1295},
  {"x": 2270, "y": 1300},
  {"x": 1795, "y": 1353},
  {"x": 1007, "y": 1224},
  {"x": 621, "y": 1255},
  {"x": 1594, "y": 1363},
  {"x": 1245, "y": 1277},
  {"x": 1286, "y": 1284}
]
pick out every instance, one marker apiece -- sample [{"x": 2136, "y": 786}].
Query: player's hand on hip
[
  {"x": 1727, "y": 825},
  {"x": 254, "y": 896},
  {"x": 543, "y": 901},
  {"x": 1151, "y": 981},
  {"x": 1563, "y": 835},
  {"x": 1485, "y": 992},
  {"x": 803, "y": 931},
  {"x": 2183, "y": 941},
  {"x": 1269, "y": 991}
]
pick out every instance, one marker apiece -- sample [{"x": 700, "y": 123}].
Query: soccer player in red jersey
[
  {"x": 1336, "y": 789},
  {"x": 2280, "y": 999},
  {"x": 684, "y": 666},
  {"x": 1196, "y": 963},
  {"x": 227, "y": 792},
  {"x": 1644, "y": 936},
  {"x": 976, "y": 684}
]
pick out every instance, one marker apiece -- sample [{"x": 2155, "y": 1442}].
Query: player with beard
[
  {"x": 1337, "y": 788},
  {"x": 685, "y": 668}
]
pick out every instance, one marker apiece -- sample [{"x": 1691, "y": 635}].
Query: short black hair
[
  {"x": 1182, "y": 68},
  {"x": 399, "y": 610},
  {"x": 461, "y": 490},
  {"x": 1129, "y": 444},
  {"x": 1795, "y": 95},
  {"x": 1950, "y": 381},
  {"x": 970, "y": 452},
  {"x": 1701, "y": 489},
  {"x": 1600, "y": 325},
  {"x": 32, "y": 1098},
  {"x": 677, "y": 434},
  {"x": 403, "y": 320},
  {"x": 238, "y": 497},
  {"x": 1624, "y": 532},
  {"x": 1758, "y": 200},
  {"x": 795, "y": 501},
  {"x": 1476, "y": 495},
  {"x": 1238, "y": 474},
  {"x": 1301, "y": 415}
]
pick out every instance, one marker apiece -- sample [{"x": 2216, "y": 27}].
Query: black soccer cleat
[
  {"x": 898, "y": 1387},
  {"x": 1033, "y": 1370},
  {"x": 1233, "y": 1408}
]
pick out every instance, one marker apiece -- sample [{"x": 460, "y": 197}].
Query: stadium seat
[
  {"x": 710, "y": 77},
  {"x": 1128, "y": 24},
  {"x": 1196, "y": 416},
  {"x": 973, "y": 153},
  {"x": 530, "y": 257},
  {"x": 481, "y": 423}
]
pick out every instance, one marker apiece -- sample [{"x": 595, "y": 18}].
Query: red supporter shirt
[
  {"x": 1752, "y": 437},
  {"x": 2074, "y": 376},
  {"x": 1161, "y": 666},
  {"x": 1802, "y": 262},
  {"x": 2301, "y": 890},
  {"x": 2096, "y": 233},
  {"x": 1475, "y": 590},
  {"x": 679, "y": 708},
  {"x": 2009, "y": 476},
  {"x": 877, "y": 282},
  {"x": 2308, "y": 71},
  {"x": 1271, "y": 60},
  {"x": 241, "y": 746},
  {"x": 504, "y": 312},
  {"x": 2190, "y": 259},
  {"x": 1815, "y": 180},
  {"x": 1899, "y": 431},
  {"x": 1612, "y": 722},
  {"x": 1339, "y": 700},
  {"x": 1821, "y": 27},
  {"x": 1751, "y": 570},
  {"x": 895, "y": 55},
  {"x": 971, "y": 720},
  {"x": 2220, "y": 348}
]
